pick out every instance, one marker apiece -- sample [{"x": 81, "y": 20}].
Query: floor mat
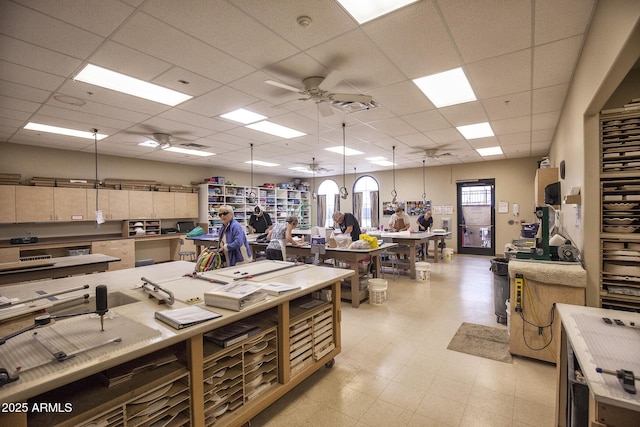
[{"x": 483, "y": 341}]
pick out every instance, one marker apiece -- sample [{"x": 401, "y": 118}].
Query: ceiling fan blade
[
  {"x": 283, "y": 86},
  {"x": 333, "y": 78},
  {"x": 324, "y": 109}
]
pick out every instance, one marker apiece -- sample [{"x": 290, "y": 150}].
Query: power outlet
[{"x": 519, "y": 282}]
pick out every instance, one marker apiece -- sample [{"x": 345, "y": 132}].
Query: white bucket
[
  {"x": 377, "y": 291},
  {"x": 448, "y": 254},
  {"x": 423, "y": 271}
]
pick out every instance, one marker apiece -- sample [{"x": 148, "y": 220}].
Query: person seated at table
[
  {"x": 260, "y": 222},
  {"x": 399, "y": 221},
  {"x": 425, "y": 222},
  {"x": 348, "y": 224},
  {"x": 233, "y": 247},
  {"x": 281, "y": 234}
]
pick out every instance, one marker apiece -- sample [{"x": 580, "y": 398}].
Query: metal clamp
[{"x": 154, "y": 290}]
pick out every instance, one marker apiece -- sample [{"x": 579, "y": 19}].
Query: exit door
[{"x": 476, "y": 217}]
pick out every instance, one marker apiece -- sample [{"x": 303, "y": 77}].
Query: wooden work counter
[
  {"x": 587, "y": 343},
  {"x": 201, "y": 357},
  {"x": 54, "y": 268}
]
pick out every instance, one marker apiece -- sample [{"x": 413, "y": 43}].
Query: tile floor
[{"x": 395, "y": 369}]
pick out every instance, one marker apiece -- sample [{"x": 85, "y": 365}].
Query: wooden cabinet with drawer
[{"x": 121, "y": 248}]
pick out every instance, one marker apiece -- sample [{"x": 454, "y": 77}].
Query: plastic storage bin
[
  {"x": 423, "y": 271},
  {"x": 447, "y": 254},
  {"x": 377, "y": 291}
]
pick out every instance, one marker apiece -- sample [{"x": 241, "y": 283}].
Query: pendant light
[
  {"x": 99, "y": 217},
  {"x": 314, "y": 195},
  {"x": 251, "y": 195},
  {"x": 394, "y": 193},
  {"x": 343, "y": 190},
  {"x": 424, "y": 183}
]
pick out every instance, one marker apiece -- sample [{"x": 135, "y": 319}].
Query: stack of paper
[{"x": 235, "y": 297}]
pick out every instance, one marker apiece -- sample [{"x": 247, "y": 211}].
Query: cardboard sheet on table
[{"x": 251, "y": 269}]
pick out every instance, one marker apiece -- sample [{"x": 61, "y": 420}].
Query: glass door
[{"x": 476, "y": 217}]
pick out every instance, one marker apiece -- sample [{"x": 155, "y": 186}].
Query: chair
[
  {"x": 186, "y": 255},
  {"x": 143, "y": 262}
]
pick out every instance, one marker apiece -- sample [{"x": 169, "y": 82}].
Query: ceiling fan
[
  {"x": 318, "y": 89},
  {"x": 434, "y": 153}
]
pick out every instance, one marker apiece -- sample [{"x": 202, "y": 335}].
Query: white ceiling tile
[
  {"x": 402, "y": 98},
  {"x": 488, "y": 28},
  {"x": 507, "y": 106},
  {"x": 42, "y": 30},
  {"x": 444, "y": 135},
  {"x": 219, "y": 101},
  {"x": 464, "y": 114},
  {"x": 515, "y": 138},
  {"x": 418, "y": 140},
  {"x": 36, "y": 57},
  {"x": 502, "y": 75},
  {"x": 424, "y": 47},
  {"x": 18, "y": 91},
  {"x": 18, "y": 104},
  {"x": 550, "y": 98},
  {"x": 542, "y": 135},
  {"x": 511, "y": 125},
  {"x": 151, "y": 36},
  {"x": 427, "y": 121},
  {"x": 555, "y": 20},
  {"x": 29, "y": 77},
  {"x": 545, "y": 120},
  {"x": 553, "y": 63}
]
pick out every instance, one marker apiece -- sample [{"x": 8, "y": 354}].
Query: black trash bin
[{"x": 501, "y": 288}]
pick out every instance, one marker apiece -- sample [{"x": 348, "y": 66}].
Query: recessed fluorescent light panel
[
  {"x": 275, "y": 129},
  {"x": 489, "y": 151},
  {"x": 301, "y": 169},
  {"x": 108, "y": 79},
  {"x": 446, "y": 88},
  {"x": 475, "y": 131},
  {"x": 243, "y": 116},
  {"x": 63, "y": 131},
  {"x": 188, "y": 151},
  {"x": 261, "y": 163},
  {"x": 363, "y": 11},
  {"x": 347, "y": 151},
  {"x": 381, "y": 162}
]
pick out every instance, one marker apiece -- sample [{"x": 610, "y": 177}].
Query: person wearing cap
[
  {"x": 260, "y": 222},
  {"x": 399, "y": 221},
  {"x": 233, "y": 244},
  {"x": 348, "y": 224}
]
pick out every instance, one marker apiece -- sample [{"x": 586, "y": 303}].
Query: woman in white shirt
[{"x": 280, "y": 235}]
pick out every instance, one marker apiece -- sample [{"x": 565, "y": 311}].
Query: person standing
[
  {"x": 348, "y": 224},
  {"x": 233, "y": 244},
  {"x": 425, "y": 222},
  {"x": 260, "y": 221},
  {"x": 280, "y": 235},
  {"x": 399, "y": 221}
]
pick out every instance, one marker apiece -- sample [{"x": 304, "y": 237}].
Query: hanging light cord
[
  {"x": 343, "y": 191},
  {"x": 394, "y": 193},
  {"x": 424, "y": 183},
  {"x": 95, "y": 149}
]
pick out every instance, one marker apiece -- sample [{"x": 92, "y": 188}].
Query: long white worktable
[
  {"x": 600, "y": 399},
  {"x": 142, "y": 334}
]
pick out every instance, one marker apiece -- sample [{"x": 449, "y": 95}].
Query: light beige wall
[
  {"x": 514, "y": 184},
  {"x": 611, "y": 48}
]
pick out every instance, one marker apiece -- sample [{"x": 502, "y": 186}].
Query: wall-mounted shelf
[{"x": 572, "y": 199}]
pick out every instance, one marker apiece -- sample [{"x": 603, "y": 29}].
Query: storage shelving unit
[
  {"x": 620, "y": 213},
  {"x": 151, "y": 227},
  {"x": 277, "y": 202}
]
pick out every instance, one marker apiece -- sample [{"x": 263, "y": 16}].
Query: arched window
[
  {"x": 366, "y": 202},
  {"x": 328, "y": 194}
]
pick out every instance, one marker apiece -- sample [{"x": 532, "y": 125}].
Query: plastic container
[
  {"x": 377, "y": 291},
  {"x": 447, "y": 254},
  {"x": 423, "y": 271},
  {"x": 508, "y": 306}
]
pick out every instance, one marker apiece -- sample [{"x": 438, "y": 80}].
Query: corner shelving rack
[{"x": 620, "y": 210}]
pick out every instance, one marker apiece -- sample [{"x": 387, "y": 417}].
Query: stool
[{"x": 189, "y": 255}]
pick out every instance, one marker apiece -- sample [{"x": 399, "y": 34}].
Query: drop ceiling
[{"x": 518, "y": 55}]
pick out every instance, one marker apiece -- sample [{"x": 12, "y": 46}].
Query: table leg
[
  {"x": 355, "y": 284},
  {"x": 436, "y": 250},
  {"x": 412, "y": 261}
]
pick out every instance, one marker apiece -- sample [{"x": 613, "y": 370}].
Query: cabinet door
[
  {"x": 163, "y": 205},
  {"x": 186, "y": 205},
  {"x": 103, "y": 203},
  {"x": 140, "y": 204},
  {"x": 7, "y": 203},
  {"x": 34, "y": 204},
  {"x": 10, "y": 254},
  {"x": 544, "y": 177},
  {"x": 118, "y": 204},
  {"x": 70, "y": 204},
  {"x": 121, "y": 248}
]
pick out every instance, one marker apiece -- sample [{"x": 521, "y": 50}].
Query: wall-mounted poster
[{"x": 412, "y": 208}]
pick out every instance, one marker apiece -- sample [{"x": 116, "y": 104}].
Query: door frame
[{"x": 491, "y": 251}]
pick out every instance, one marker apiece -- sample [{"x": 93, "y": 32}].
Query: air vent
[
  {"x": 354, "y": 107},
  {"x": 193, "y": 145}
]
